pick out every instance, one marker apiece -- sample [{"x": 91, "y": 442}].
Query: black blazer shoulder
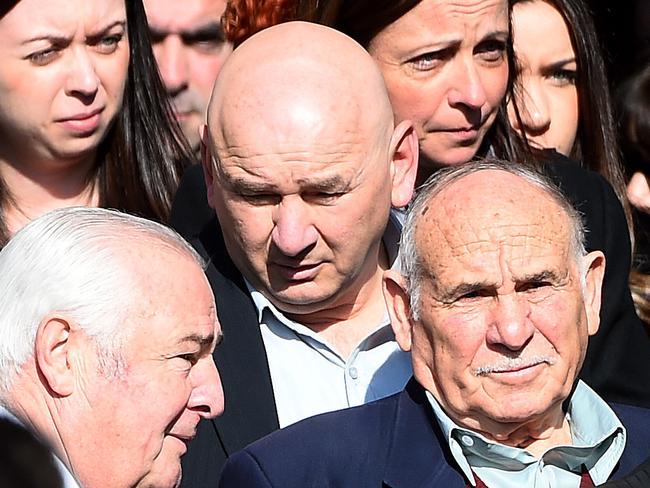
[{"x": 250, "y": 411}]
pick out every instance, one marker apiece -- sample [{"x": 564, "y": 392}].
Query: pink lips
[
  {"x": 83, "y": 123},
  {"x": 297, "y": 272}
]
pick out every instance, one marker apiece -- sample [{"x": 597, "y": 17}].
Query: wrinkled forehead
[{"x": 518, "y": 222}]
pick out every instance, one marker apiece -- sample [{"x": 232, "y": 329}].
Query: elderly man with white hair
[
  {"x": 104, "y": 353},
  {"x": 496, "y": 300}
]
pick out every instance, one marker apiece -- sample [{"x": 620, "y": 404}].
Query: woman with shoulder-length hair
[{"x": 84, "y": 119}]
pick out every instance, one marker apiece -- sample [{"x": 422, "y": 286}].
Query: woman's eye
[
  {"x": 492, "y": 51},
  {"x": 41, "y": 58},
  {"x": 108, "y": 44},
  {"x": 427, "y": 61},
  {"x": 564, "y": 77}
]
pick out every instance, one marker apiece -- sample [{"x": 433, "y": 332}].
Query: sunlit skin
[
  {"x": 446, "y": 69},
  {"x": 190, "y": 48},
  {"x": 303, "y": 165},
  {"x": 63, "y": 69},
  {"x": 638, "y": 191},
  {"x": 141, "y": 417},
  {"x": 504, "y": 324},
  {"x": 63, "y": 66},
  {"x": 546, "y": 88}
]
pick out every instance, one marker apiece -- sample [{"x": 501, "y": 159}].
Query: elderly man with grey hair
[
  {"x": 105, "y": 354},
  {"x": 496, "y": 300}
]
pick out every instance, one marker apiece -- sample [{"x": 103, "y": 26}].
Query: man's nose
[
  {"x": 170, "y": 56},
  {"x": 510, "y": 325},
  {"x": 207, "y": 393},
  {"x": 293, "y": 230}
]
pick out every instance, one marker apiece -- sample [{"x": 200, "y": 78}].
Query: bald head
[
  {"x": 295, "y": 76},
  {"x": 303, "y": 164},
  {"x": 498, "y": 282},
  {"x": 476, "y": 199}
]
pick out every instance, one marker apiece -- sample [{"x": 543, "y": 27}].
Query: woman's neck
[{"x": 35, "y": 189}]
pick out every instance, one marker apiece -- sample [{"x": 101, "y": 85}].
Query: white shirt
[{"x": 309, "y": 377}]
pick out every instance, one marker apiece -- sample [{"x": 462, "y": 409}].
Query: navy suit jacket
[{"x": 394, "y": 442}]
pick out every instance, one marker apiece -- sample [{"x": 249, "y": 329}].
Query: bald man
[
  {"x": 496, "y": 299},
  {"x": 303, "y": 166}
]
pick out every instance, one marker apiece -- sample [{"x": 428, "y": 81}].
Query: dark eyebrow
[
  {"x": 463, "y": 289},
  {"x": 241, "y": 184},
  {"x": 334, "y": 182},
  {"x": 546, "y": 275},
  {"x": 97, "y": 36},
  {"x": 496, "y": 35},
  {"x": 561, "y": 63},
  {"x": 201, "y": 340},
  {"x": 211, "y": 30}
]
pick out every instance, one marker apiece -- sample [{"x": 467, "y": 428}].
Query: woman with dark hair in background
[
  {"x": 633, "y": 97},
  {"x": 84, "y": 119},
  {"x": 561, "y": 88}
]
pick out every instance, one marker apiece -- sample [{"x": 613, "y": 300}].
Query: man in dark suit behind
[
  {"x": 496, "y": 299},
  {"x": 304, "y": 166}
]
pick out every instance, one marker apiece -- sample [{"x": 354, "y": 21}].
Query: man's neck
[{"x": 348, "y": 322}]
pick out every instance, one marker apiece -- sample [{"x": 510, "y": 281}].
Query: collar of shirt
[
  {"x": 308, "y": 375},
  {"x": 598, "y": 443},
  {"x": 379, "y": 335}
]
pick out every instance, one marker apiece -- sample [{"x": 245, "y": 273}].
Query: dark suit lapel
[
  {"x": 415, "y": 458},
  {"x": 241, "y": 358}
]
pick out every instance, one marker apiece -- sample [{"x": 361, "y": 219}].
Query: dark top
[
  {"x": 394, "y": 442},
  {"x": 617, "y": 364}
]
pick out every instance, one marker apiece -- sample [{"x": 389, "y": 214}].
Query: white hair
[
  {"x": 411, "y": 266},
  {"x": 69, "y": 261}
]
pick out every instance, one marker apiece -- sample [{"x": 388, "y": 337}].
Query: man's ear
[
  {"x": 404, "y": 163},
  {"x": 52, "y": 353},
  {"x": 397, "y": 302},
  {"x": 207, "y": 162},
  {"x": 594, "y": 264}
]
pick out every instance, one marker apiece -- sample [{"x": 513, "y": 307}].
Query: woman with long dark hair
[
  {"x": 561, "y": 86},
  {"x": 83, "y": 115}
]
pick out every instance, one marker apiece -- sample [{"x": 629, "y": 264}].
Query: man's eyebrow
[
  {"x": 334, "y": 182},
  {"x": 546, "y": 275},
  {"x": 461, "y": 289},
  {"x": 211, "y": 30},
  {"x": 201, "y": 340},
  {"x": 242, "y": 184}
]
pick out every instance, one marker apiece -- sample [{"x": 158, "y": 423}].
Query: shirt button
[
  {"x": 354, "y": 374},
  {"x": 467, "y": 440}
]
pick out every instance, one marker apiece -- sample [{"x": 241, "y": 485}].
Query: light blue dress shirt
[
  {"x": 598, "y": 443},
  {"x": 309, "y": 377}
]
